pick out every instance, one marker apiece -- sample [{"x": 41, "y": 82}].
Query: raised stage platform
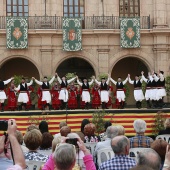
[{"x": 125, "y": 117}]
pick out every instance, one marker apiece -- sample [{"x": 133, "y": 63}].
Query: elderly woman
[
  {"x": 89, "y": 131},
  {"x": 64, "y": 157},
  {"x": 167, "y": 127},
  {"x": 33, "y": 140}
]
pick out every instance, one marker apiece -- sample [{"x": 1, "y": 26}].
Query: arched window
[
  {"x": 17, "y": 8},
  {"x": 73, "y": 8},
  {"x": 129, "y": 8}
]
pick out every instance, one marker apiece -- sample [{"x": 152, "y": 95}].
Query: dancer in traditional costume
[
  {"x": 39, "y": 93},
  {"x": 46, "y": 95},
  {"x": 85, "y": 85},
  {"x": 120, "y": 92},
  {"x": 56, "y": 103},
  {"x": 72, "y": 101},
  {"x": 138, "y": 93},
  {"x": 63, "y": 96},
  {"x": 2, "y": 92},
  {"x": 23, "y": 93},
  {"x": 96, "y": 102},
  {"x": 104, "y": 95},
  {"x": 161, "y": 92},
  {"x": 12, "y": 99},
  {"x": 148, "y": 92}
]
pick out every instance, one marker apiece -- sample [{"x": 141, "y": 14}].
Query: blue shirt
[{"x": 119, "y": 162}]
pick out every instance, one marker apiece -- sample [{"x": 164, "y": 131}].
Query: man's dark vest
[
  {"x": 153, "y": 83},
  {"x": 138, "y": 84},
  {"x": 149, "y": 83},
  {"x": 22, "y": 88},
  {"x": 161, "y": 83},
  {"x": 104, "y": 87},
  {"x": 119, "y": 86},
  {"x": 44, "y": 86},
  {"x": 84, "y": 86},
  {"x": 63, "y": 85},
  {"x": 2, "y": 86}
]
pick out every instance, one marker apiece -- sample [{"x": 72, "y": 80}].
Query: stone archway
[
  {"x": 18, "y": 66},
  {"x": 79, "y": 66},
  {"x": 132, "y": 66}
]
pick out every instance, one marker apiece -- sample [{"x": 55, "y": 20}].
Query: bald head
[
  {"x": 120, "y": 145},
  {"x": 150, "y": 158}
]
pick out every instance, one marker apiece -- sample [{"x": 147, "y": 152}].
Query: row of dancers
[{"x": 64, "y": 92}]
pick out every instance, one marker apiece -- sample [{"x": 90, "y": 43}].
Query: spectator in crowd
[
  {"x": 18, "y": 156},
  {"x": 111, "y": 132},
  {"x": 64, "y": 157},
  {"x": 121, "y": 161},
  {"x": 167, "y": 159},
  {"x": 141, "y": 167},
  {"x": 103, "y": 135},
  {"x": 33, "y": 140},
  {"x": 20, "y": 139},
  {"x": 79, "y": 152},
  {"x": 56, "y": 141},
  {"x": 83, "y": 124},
  {"x": 167, "y": 127},
  {"x": 121, "y": 130},
  {"x": 43, "y": 126},
  {"x": 46, "y": 143},
  {"x": 81, "y": 135},
  {"x": 149, "y": 158},
  {"x": 140, "y": 140},
  {"x": 65, "y": 130},
  {"x": 159, "y": 146},
  {"x": 31, "y": 127},
  {"x": 61, "y": 124},
  {"x": 89, "y": 131}
]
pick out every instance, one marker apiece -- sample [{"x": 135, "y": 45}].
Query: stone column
[
  {"x": 160, "y": 13},
  {"x": 103, "y": 58},
  {"x": 46, "y": 56},
  {"x": 161, "y": 53}
]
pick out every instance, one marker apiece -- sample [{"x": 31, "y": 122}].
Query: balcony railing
[{"x": 88, "y": 22}]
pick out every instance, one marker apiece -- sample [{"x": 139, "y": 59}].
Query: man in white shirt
[
  {"x": 85, "y": 90},
  {"x": 104, "y": 95},
  {"x": 138, "y": 93},
  {"x": 120, "y": 94},
  {"x": 2, "y": 93},
  {"x": 23, "y": 92},
  {"x": 46, "y": 95},
  {"x": 63, "y": 95}
]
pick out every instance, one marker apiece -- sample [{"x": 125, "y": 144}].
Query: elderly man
[
  {"x": 140, "y": 140},
  {"x": 149, "y": 158},
  {"x": 120, "y": 146},
  {"x": 111, "y": 132}
]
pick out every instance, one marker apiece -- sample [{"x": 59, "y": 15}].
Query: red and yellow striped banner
[{"x": 74, "y": 121}]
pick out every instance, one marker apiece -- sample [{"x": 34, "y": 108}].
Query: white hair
[
  {"x": 139, "y": 125},
  {"x": 112, "y": 131},
  {"x": 73, "y": 135}
]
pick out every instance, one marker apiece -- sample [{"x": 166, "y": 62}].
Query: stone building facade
[{"x": 101, "y": 44}]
